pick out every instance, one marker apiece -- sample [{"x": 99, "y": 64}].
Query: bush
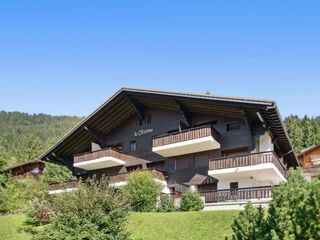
[
  {"x": 15, "y": 195},
  {"x": 246, "y": 226},
  {"x": 142, "y": 191},
  {"x": 191, "y": 201},
  {"x": 167, "y": 204},
  {"x": 56, "y": 173},
  {"x": 293, "y": 213},
  {"x": 38, "y": 211},
  {"x": 95, "y": 211},
  {"x": 10, "y": 195}
]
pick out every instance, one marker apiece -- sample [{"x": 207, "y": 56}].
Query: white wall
[
  {"x": 242, "y": 183},
  {"x": 265, "y": 143}
]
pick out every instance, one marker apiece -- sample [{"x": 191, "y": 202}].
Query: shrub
[
  {"x": 142, "y": 191},
  {"x": 56, "y": 173},
  {"x": 246, "y": 226},
  {"x": 167, "y": 204},
  {"x": 191, "y": 201},
  {"x": 10, "y": 197},
  {"x": 95, "y": 211},
  {"x": 14, "y": 194},
  {"x": 38, "y": 211},
  {"x": 33, "y": 188},
  {"x": 293, "y": 213}
]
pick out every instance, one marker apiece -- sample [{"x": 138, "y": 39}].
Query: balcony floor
[
  {"x": 104, "y": 162},
  {"x": 187, "y": 147},
  {"x": 260, "y": 172}
]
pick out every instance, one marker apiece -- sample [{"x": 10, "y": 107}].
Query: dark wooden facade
[
  {"x": 32, "y": 168},
  {"x": 190, "y": 169},
  {"x": 134, "y": 121}
]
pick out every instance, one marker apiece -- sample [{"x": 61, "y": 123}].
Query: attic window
[
  {"x": 133, "y": 146},
  {"x": 139, "y": 121},
  {"x": 233, "y": 126},
  {"x": 147, "y": 119}
]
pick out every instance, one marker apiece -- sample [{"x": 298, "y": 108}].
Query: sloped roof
[
  {"x": 21, "y": 165},
  {"x": 119, "y": 107},
  {"x": 309, "y": 149}
]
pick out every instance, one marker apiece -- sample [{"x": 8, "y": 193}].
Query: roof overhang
[{"x": 120, "y": 106}]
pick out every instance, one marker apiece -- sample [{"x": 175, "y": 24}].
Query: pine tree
[
  {"x": 32, "y": 148},
  {"x": 295, "y": 131},
  {"x": 294, "y": 213},
  {"x": 4, "y": 157}
]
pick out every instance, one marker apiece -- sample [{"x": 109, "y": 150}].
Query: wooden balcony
[
  {"x": 263, "y": 166},
  {"x": 191, "y": 140},
  {"x": 122, "y": 177},
  {"x": 65, "y": 185},
  {"x": 99, "y": 159},
  {"x": 239, "y": 194}
]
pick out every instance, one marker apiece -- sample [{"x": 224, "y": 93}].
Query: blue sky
[{"x": 67, "y": 57}]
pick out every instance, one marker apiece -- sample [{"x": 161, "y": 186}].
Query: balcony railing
[
  {"x": 238, "y": 194},
  {"x": 59, "y": 186},
  {"x": 185, "y": 135},
  {"x": 250, "y": 159},
  {"x": 109, "y": 152},
  {"x": 122, "y": 177}
]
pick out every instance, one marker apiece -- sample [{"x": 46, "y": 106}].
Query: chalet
[
  {"x": 230, "y": 149},
  {"x": 32, "y": 168},
  {"x": 310, "y": 161}
]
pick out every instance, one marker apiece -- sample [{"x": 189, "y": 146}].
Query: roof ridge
[{"x": 196, "y": 94}]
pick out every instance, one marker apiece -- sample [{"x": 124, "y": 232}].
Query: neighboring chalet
[
  {"x": 230, "y": 149},
  {"x": 310, "y": 161},
  {"x": 32, "y": 168}
]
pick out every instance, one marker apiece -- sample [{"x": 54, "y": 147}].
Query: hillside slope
[{"x": 18, "y": 129}]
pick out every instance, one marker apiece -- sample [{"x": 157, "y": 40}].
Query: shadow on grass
[{"x": 30, "y": 227}]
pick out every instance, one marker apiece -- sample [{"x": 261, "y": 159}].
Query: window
[
  {"x": 36, "y": 170},
  {"x": 139, "y": 121},
  {"x": 133, "y": 146},
  {"x": 147, "y": 119},
  {"x": 234, "y": 185},
  {"x": 233, "y": 126}
]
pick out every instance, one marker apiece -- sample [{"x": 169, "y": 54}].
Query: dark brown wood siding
[{"x": 162, "y": 122}]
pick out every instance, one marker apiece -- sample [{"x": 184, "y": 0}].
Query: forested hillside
[
  {"x": 24, "y": 137},
  {"x": 304, "y": 132}
]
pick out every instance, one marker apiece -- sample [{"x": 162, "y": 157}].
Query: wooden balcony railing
[
  {"x": 122, "y": 177},
  {"x": 185, "y": 135},
  {"x": 249, "y": 159},
  {"x": 236, "y": 194},
  {"x": 109, "y": 152},
  {"x": 59, "y": 186}
]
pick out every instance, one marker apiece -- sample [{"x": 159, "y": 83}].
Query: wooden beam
[
  {"x": 247, "y": 120},
  {"x": 139, "y": 108},
  {"x": 261, "y": 119},
  {"x": 100, "y": 137},
  {"x": 66, "y": 160},
  {"x": 185, "y": 112},
  {"x": 55, "y": 161},
  {"x": 249, "y": 125}
]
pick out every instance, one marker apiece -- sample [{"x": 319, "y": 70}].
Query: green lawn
[
  {"x": 9, "y": 227},
  {"x": 149, "y": 226},
  {"x": 181, "y": 225}
]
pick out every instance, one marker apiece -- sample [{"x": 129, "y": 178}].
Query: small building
[
  {"x": 32, "y": 168},
  {"x": 310, "y": 161}
]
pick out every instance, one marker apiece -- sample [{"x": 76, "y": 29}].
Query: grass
[
  {"x": 10, "y": 227},
  {"x": 181, "y": 225},
  {"x": 149, "y": 226}
]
